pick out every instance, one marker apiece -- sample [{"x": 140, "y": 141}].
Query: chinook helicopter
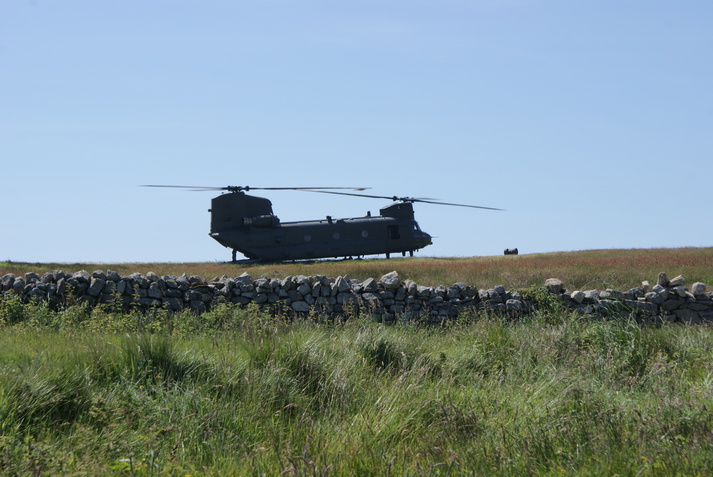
[{"x": 247, "y": 224}]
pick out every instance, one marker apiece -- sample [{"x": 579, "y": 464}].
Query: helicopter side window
[{"x": 392, "y": 231}]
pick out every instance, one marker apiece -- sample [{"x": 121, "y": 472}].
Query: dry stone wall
[{"x": 385, "y": 299}]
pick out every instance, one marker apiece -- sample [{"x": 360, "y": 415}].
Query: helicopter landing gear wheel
[
  {"x": 410, "y": 253},
  {"x": 234, "y": 255},
  {"x": 388, "y": 255}
]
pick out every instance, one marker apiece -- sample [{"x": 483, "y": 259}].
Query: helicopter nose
[{"x": 426, "y": 238}]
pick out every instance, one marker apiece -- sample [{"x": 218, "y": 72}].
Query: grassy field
[
  {"x": 601, "y": 269},
  {"x": 234, "y": 392}
]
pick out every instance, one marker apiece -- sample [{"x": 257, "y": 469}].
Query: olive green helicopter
[{"x": 247, "y": 224}]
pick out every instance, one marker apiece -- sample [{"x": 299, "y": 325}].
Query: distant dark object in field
[{"x": 510, "y": 251}]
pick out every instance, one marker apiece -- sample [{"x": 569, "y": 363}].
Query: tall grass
[
  {"x": 241, "y": 393},
  {"x": 601, "y": 269}
]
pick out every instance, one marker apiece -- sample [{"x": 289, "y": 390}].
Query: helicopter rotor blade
[
  {"x": 182, "y": 187},
  {"x": 435, "y": 202},
  {"x": 248, "y": 188},
  {"x": 327, "y": 190},
  {"x": 403, "y": 199},
  {"x": 307, "y": 188}
]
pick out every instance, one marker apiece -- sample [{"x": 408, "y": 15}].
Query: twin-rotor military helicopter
[{"x": 247, "y": 224}]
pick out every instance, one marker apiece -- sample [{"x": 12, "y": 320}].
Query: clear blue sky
[{"x": 590, "y": 122}]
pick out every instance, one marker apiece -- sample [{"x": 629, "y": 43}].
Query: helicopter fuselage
[{"x": 247, "y": 224}]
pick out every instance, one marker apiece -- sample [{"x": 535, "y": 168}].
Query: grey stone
[
  {"x": 287, "y": 284},
  {"x": 663, "y": 279},
  {"x": 240, "y": 300},
  {"x": 154, "y": 290},
  {"x": 370, "y": 285},
  {"x": 453, "y": 293},
  {"x": 513, "y": 305},
  {"x": 371, "y": 299},
  {"x": 672, "y": 303},
  {"x": 663, "y": 292},
  {"x": 615, "y": 294},
  {"x": 679, "y": 290},
  {"x": 61, "y": 287},
  {"x": 342, "y": 284},
  {"x": 642, "y": 307},
  {"x": 390, "y": 281},
  {"x": 654, "y": 297},
  {"x": 346, "y": 298},
  {"x": 197, "y": 306},
  {"x": 174, "y": 293},
  {"x": 96, "y": 286},
  {"x": 400, "y": 294},
  {"x": 636, "y": 292},
  {"x": 591, "y": 296},
  {"x": 172, "y": 304},
  {"x": 150, "y": 302},
  {"x": 7, "y": 281},
  {"x": 698, "y": 288},
  {"x": 411, "y": 287},
  {"x": 82, "y": 276},
  {"x": 183, "y": 283},
  {"x": 423, "y": 292},
  {"x": 697, "y": 306},
  {"x": 109, "y": 287},
  {"x": 688, "y": 316},
  {"x": 678, "y": 281},
  {"x": 554, "y": 285},
  {"x": 300, "y": 306}
]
